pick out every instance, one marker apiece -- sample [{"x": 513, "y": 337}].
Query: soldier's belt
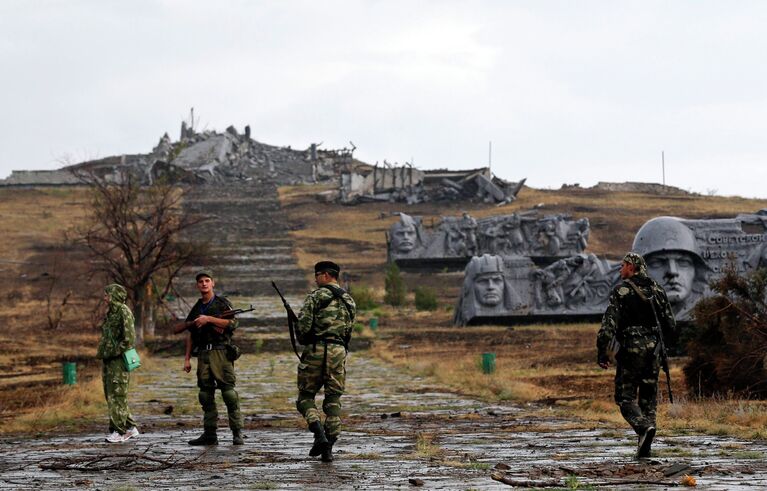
[{"x": 212, "y": 347}]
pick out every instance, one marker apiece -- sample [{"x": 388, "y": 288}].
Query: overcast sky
[{"x": 570, "y": 91}]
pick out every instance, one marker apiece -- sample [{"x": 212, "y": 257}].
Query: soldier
[
  {"x": 637, "y": 305},
  {"x": 117, "y": 336},
  {"x": 324, "y": 328},
  {"x": 210, "y": 339}
]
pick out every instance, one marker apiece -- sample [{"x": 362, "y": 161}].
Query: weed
[
  {"x": 425, "y": 298},
  {"x": 394, "y": 286},
  {"x": 425, "y": 447},
  {"x": 572, "y": 482},
  {"x": 257, "y": 345},
  {"x": 363, "y": 297}
]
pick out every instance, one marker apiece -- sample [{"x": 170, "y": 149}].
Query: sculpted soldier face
[
  {"x": 404, "y": 238},
  {"x": 675, "y": 272},
  {"x": 488, "y": 289}
]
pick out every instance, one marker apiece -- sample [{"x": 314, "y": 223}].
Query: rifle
[
  {"x": 229, "y": 314},
  {"x": 661, "y": 348},
  {"x": 292, "y": 320},
  {"x": 663, "y": 353}
]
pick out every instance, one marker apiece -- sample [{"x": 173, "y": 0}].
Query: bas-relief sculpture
[
  {"x": 573, "y": 287},
  {"x": 682, "y": 255},
  {"x": 552, "y": 237},
  {"x": 685, "y": 255}
]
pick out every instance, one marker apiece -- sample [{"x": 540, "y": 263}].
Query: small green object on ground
[
  {"x": 488, "y": 362},
  {"x": 70, "y": 372}
]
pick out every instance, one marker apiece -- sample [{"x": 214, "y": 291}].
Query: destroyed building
[
  {"x": 406, "y": 184},
  {"x": 201, "y": 157}
]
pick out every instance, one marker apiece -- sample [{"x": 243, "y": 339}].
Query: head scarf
[{"x": 640, "y": 267}]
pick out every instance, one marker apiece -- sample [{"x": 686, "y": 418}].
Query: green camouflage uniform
[
  {"x": 117, "y": 336},
  {"x": 631, "y": 321},
  {"x": 214, "y": 369},
  {"x": 325, "y": 332}
]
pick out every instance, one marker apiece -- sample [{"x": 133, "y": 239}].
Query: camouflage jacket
[
  {"x": 335, "y": 320},
  {"x": 628, "y": 317},
  {"x": 117, "y": 332},
  {"x": 207, "y": 334}
]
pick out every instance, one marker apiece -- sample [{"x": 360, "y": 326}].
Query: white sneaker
[
  {"x": 115, "y": 438},
  {"x": 132, "y": 431}
]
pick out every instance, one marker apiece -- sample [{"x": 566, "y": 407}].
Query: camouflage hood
[
  {"x": 640, "y": 267},
  {"x": 117, "y": 294}
]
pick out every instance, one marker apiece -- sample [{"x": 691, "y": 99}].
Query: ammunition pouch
[{"x": 233, "y": 352}]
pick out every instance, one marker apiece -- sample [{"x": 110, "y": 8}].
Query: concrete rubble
[
  {"x": 406, "y": 184},
  {"x": 206, "y": 156}
]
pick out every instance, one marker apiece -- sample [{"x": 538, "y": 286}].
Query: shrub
[
  {"x": 394, "y": 286},
  {"x": 363, "y": 297},
  {"x": 425, "y": 298},
  {"x": 727, "y": 350}
]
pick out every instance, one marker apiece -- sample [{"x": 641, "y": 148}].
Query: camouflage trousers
[
  {"x": 323, "y": 365},
  {"x": 636, "y": 384},
  {"x": 116, "y": 380},
  {"x": 214, "y": 370}
]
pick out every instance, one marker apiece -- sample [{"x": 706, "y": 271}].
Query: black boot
[
  {"x": 645, "y": 442},
  {"x": 207, "y": 438},
  {"x": 320, "y": 440},
  {"x": 327, "y": 454},
  {"x": 237, "y": 438}
]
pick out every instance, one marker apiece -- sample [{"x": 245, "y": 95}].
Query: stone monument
[{"x": 457, "y": 239}]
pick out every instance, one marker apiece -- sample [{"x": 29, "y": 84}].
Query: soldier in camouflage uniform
[
  {"x": 117, "y": 336},
  {"x": 324, "y": 328},
  {"x": 210, "y": 339},
  {"x": 630, "y": 320}
]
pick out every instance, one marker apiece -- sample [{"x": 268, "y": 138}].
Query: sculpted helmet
[
  {"x": 484, "y": 264},
  {"x": 663, "y": 234}
]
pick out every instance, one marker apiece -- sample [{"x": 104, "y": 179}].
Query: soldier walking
[
  {"x": 636, "y": 306},
  {"x": 324, "y": 328},
  {"x": 117, "y": 336},
  {"x": 210, "y": 339}
]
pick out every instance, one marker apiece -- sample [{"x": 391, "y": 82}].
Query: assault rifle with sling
[{"x": 292, "y": 320}]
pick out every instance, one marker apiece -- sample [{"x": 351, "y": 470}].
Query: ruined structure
[
  {"x": 207, "y": 156},
  {"x": 456, "y": 239},
  {"x": 682, "y": 255},
  {"x": 407, "y": 184}
]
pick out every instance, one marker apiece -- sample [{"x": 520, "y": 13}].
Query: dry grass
[{"x": 75, "y": 405}]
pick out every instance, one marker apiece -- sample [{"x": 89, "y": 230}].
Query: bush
[
  {"x": 425, "y": 298},
  {"x": 394, "y": 286},
  {"x": 727, "y": 350},
  {"x": 363, "y": 297}
]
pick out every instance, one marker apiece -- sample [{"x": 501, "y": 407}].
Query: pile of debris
[
  {"x": 407, "y": 184},
  {"x": 207, "y": 156},
  {"x": 629, "y": 187}
]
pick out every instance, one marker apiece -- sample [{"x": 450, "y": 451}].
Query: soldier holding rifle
[
  {"x": 635, "y": 321},
  {"x": 211, "y": 325},
  {"x": 324, "y": 327}
]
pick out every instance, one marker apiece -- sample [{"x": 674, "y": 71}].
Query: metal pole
[
  {"x": 663, "y": 165},
  {"x": 489, "y": 153}
]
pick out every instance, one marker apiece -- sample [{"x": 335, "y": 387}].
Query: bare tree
[{"x": 134, "y": 233}]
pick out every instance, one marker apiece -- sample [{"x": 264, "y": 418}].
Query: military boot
[
  {"x": 320, "y": 440},
  {"x": 645, "y": 442},
  {"x": 207, "y": 438},
  {"x": 237, "y": 438},
  {"x": 327, "y": 454}
]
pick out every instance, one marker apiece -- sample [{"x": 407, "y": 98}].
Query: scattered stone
[
  {"x": 168, "y": 410},
  {"x": 676, "y": 470},
  {"x": 502, "y": 467},
  {"x": 415, "y": 482}
]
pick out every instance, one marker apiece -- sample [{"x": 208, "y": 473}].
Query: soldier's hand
[
  {"x": 187, "y": 366},
  {"x": 605, "y": 365},
  {"x": 201, "y": 321}
]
